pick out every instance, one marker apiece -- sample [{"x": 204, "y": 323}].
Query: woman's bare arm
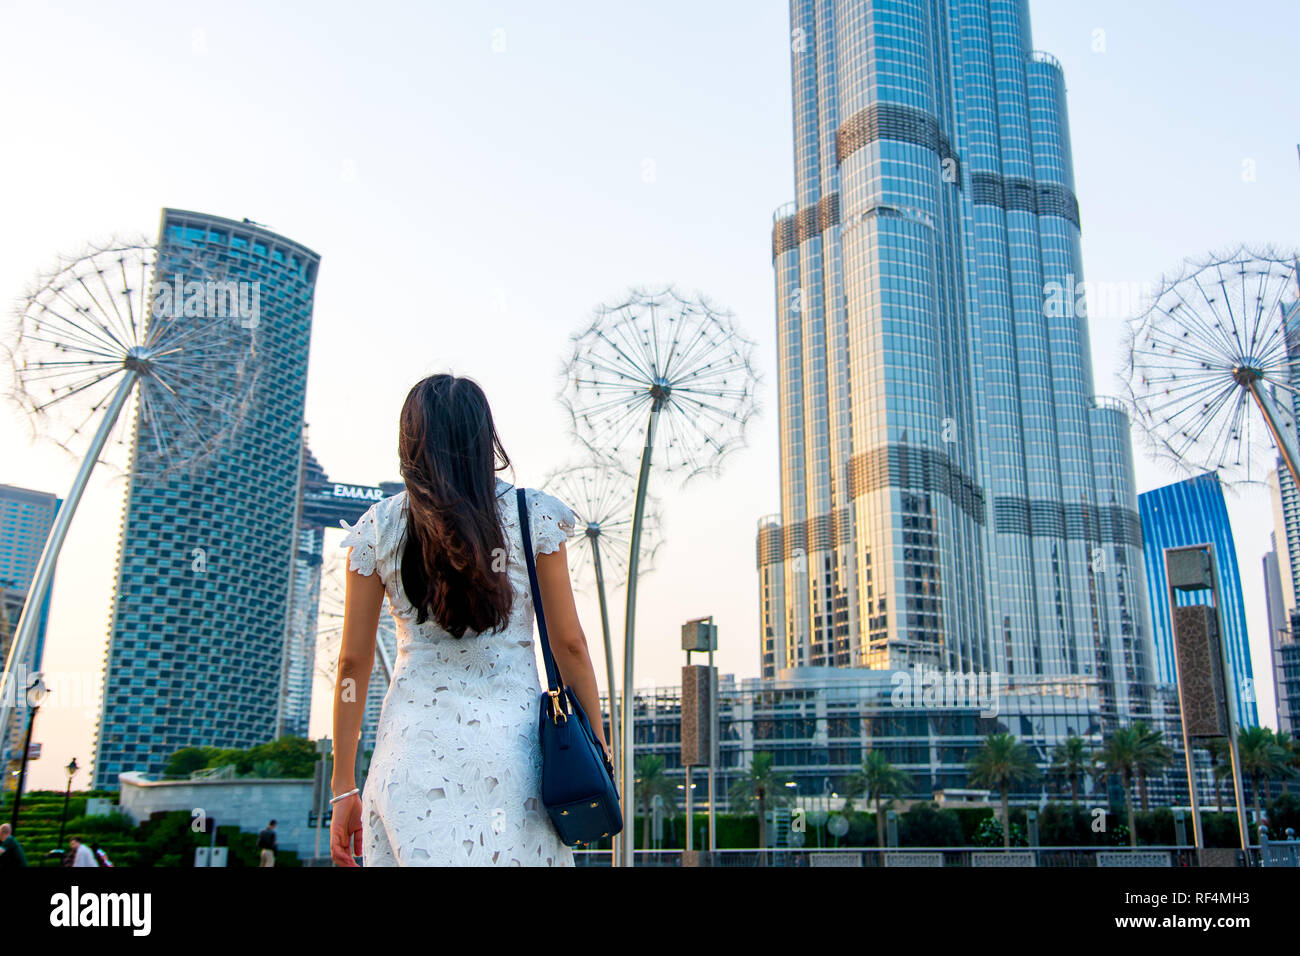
[
  {"x": 362, "y": 603},
  {"x": 568, "y": 642}
]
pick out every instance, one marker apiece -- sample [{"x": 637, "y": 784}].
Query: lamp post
[
  {"x": 38, "y": 689},
  {"x": 71, "y": 769},
  {"x": 793, "y": 786}
]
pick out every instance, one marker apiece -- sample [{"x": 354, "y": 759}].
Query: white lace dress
[{"x": 456, "y": 774}]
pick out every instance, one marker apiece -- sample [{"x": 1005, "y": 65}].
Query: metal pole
[
  {"x": 30, "y": 618},
  {"x": 385, "y": 662},
  {"x": 1198, "y": 839},
  {"x": 1233, "y": 748},
  {"x": 320, "y": 805},
  {"x": 63, "y": 826},
  {"x": 1229, "y": 682},
  {"x": 713, "y": 745},
  {"x": 610, "y": 683},
  {"x": 323, "y": 747},
  {"x": 22, "y": 773},
  {"x": 1281, "y": 436},
  {"x": 629, "y": 641},
  {"x": 690, "y": 813}
]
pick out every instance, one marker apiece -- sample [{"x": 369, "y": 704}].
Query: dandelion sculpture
[
  {"x": 1217, "y": 344},
  {"x": 602, "y": 495},
  {"x": 90, "y": 335},
  {"x": 682, "y": 370},
  {"x": 329, "y": 643},
  {"x": 329, "y": 631}
]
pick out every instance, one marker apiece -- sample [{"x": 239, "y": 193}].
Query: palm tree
[
  {"x": 1262, "y": 759},
  {"x": 1119, "y": 756},
  {"x": 878, "y": 779},
  {"x": 1070, "y": 761},
  {"x": 1153, "y": 756},
  {"x": 1221, "y": 766},
  {"x": 758, "y": 784},
  {"x": 650, "y": 783},
  {"x": 1002, "y": 763}
]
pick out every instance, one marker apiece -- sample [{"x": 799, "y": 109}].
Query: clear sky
[{"x": 477, "y": 177}]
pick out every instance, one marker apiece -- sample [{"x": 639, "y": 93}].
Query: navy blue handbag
[{"x": 578, "y": 788}]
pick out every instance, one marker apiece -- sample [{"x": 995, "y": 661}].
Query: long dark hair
[{"x": 452, "y": 560}]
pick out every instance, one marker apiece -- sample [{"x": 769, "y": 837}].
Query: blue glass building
[
  {"x": 201, "y": 611},
  {"x": 1195, "y": 512},
  {"x": 26, "y": 517},
  {"x": 953, "y": 493}
]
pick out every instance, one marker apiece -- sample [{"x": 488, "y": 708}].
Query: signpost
[
  {"x": 700, "y": 718},
  {"x": 1207, "y": 696},
  {"x": 321, "y": 784}
]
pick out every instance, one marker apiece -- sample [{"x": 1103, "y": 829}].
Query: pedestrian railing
[
  {"x": 1278, "y": 852},
  {"x": 976, "y": 857}
]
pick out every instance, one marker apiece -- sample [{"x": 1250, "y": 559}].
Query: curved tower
[{"x": 201, "y": 608}]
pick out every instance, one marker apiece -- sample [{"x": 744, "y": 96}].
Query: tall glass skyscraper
[
  {"x": 952, "y": 492},
  {"x": 205, "y": 561},
  {"x": 1195, "y": 512},
  {"x": 1283, "y": 643},
  {"x": 26, "y": 517}
]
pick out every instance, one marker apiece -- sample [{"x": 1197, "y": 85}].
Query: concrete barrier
[{"x": 247, "y": 804}]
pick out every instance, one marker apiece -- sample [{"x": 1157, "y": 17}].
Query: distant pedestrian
[
  {"x": 100, "y": 856},
  {"x": 266, "y": 843},
  {"x": 81, "y": 854},
  {"x": 11, "y": 851}
]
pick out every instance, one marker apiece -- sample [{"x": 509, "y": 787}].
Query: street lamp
[
  {"x": 36, "y": 693},
  {"x": 71, "y": 769}
]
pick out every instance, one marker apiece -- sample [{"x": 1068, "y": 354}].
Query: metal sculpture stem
[
  {"x": 614, "y": 747},
  {"x": 1282, "y": 437},
  {"x": 385, "y": 661},
  {"x": 629, "y": 641},
  {"x": 30, "y": 618}
]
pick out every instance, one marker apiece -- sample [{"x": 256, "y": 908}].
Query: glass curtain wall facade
[
  {"x": 1195, "y": 512},
  {"x": 202, "y": 603},
  {"x": 26, "y": 517},
  {"x": 1284, "y": 648},
  {"x": 299, "y": 663},
  {"x": 819, "y": 724},
  {"x": 951, "y": 492}
]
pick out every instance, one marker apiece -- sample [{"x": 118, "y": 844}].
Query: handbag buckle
[{"x": 556, "y": 711}]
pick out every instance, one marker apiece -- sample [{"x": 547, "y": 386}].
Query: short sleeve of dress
[
  {"x": 363, "y": 540},
  {"x": 552, "y": 521}
]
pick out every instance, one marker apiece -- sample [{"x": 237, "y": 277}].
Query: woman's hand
[{"x": 345, "y": 831}]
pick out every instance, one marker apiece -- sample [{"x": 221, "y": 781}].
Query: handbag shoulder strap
[{"x": 525, "y": 534}]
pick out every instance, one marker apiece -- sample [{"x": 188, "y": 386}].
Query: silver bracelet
[{"x": 344, "y": 796}]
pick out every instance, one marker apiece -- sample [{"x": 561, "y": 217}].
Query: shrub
[
  {"x": 990, "y": 832},
  {"x": 926, "y": 824},
  {"x": 116, "y": 822}
]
